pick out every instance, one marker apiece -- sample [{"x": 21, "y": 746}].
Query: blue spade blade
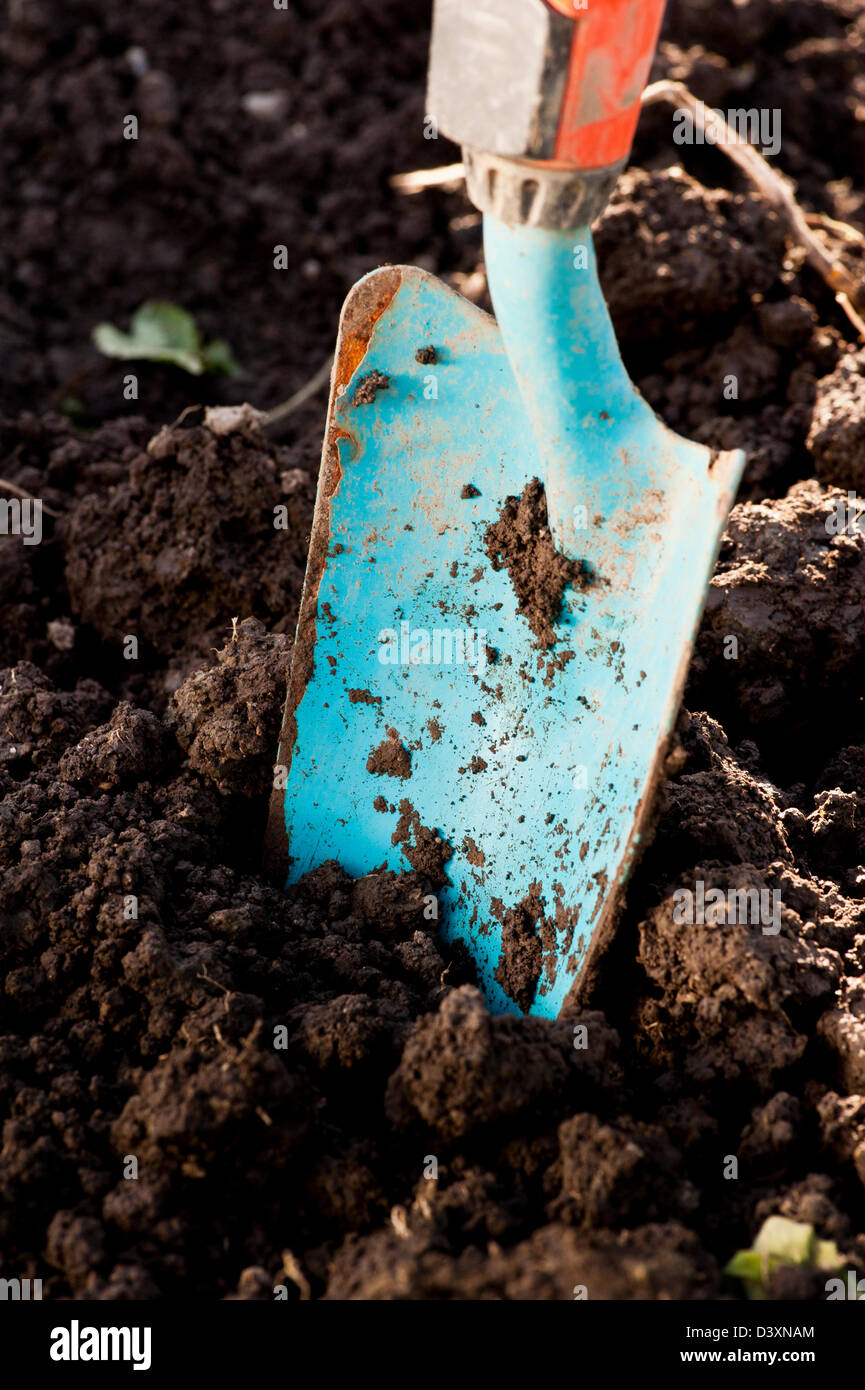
[{"x": 430, "y": 720}]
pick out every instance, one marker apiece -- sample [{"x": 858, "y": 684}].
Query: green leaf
[
  {"x": 790, "y": 1242},
  {"x": 749, "y": 1266},
  {"x": 163, "y": 332},
  {"x": 218, "y": 357},
  {"x": 827, "y": 1256},
  {"x": 73, "y": 406},
  {"x": 781, "y": 1241},
  {"x": 745, "y": 1264}
]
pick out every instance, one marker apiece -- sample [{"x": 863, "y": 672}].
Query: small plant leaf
[
  {"x": 218, "y": 357},
  {"x": 790, "y": 1242},
  {"x": 781, "y": 1241},
  {"x": 163, "y": 332},
  {"x": 745, "y": 1264},
  {"x": 827, "y": 1256}
]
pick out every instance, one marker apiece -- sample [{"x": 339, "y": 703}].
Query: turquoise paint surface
[{"x": 542, "y": 795}]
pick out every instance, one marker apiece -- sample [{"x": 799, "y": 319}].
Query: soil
[
  {"x": 519, "y": 967},
  {"x": 425, "y": 849},
  {"x": 369, "y": 386},
  {"x": 521, "y": 542},
  {"x": 391, "y": 758},
  {"x": 209, "y": 1087}
]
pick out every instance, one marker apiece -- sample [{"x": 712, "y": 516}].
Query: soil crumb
[
  {"x": 519, "y": 967},
  {"x": 473, "y": 854},
  {"x": 226, "y": 717},
  {"x": 430, "y": 851},
  {"x": 469, "y": 490},
  {"x": 201, "y": 507},
  {"x": 520, "y": 542},
  {"x": 427, "y": 356},
  {"x": 391, "y": 758},
  {"x": 369, "y": 386}
]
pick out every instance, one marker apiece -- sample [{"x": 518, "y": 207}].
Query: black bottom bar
[{"x": 75, "y": 1343}]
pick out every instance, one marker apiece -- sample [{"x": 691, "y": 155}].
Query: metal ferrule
[{"x": 524, "y": 194}]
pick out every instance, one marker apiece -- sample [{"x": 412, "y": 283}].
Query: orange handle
[{"x": 611, "y": 54}]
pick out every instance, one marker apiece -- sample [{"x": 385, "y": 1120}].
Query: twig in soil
[
  {"x": 187, "y": 410},
  {"x": 292, "y": 1270},
  {"x": 774, "y": 188},
  {"x": 6, "y": 486},
  {"x": 852, "y": 313},
  {"x": 399, "y": 1223},
  {"x": 286, "y": 408},
  {"x": 842, "y": 230},
  {"x": 202, "y": 975},
  {"x": 416, "y": 180}
]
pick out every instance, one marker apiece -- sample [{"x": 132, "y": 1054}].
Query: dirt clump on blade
[
  {"x": 425, "y": 849},
  {"x": 520, "y": 542},
  {"x": 369, "y": 386},
  {"x": 391, "y": 758},
  {"x": 519, "y": 967}
]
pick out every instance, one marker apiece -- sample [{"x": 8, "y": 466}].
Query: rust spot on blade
[
  {"x": 362, "y": 309},
  {"x": 361, "y": 312},
  {"x": 331, "y": 480}
]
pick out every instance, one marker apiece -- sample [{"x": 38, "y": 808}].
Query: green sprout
[
  {"x": 163, "y": 332},
  {"x": 779, "y": 1242}
]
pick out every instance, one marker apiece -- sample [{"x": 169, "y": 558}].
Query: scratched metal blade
[{"x": 539, "y": 779}]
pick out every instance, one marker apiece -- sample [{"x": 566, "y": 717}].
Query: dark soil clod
[
  {"x": 369, "y": 386},
  {"x": 391, "y": 758},
  {"x": 425, "y": 849},
  {"x": 520, "y": 542},
  {"x": 519, "y": 967}
]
